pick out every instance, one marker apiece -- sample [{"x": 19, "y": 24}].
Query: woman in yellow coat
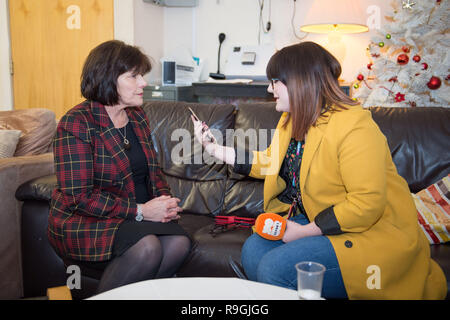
[{"x": 354, "y": 213}]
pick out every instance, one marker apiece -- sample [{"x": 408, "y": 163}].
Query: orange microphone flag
[{"x": 270, "y": 226}]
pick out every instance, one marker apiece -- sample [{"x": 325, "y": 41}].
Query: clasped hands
[{"x": 161, "y": 209}]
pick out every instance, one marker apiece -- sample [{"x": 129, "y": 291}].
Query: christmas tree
[{"x": 409, "y": 58}]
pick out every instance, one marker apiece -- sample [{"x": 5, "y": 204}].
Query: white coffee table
[{"x": 198, "y": 289}]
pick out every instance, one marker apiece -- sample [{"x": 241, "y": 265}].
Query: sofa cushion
[
  {"x": 211, "y": 256},
  {"x": 172, "y": 129},
  {"x": 8, "y": 142},
  {"x": 244, "y": 197},
  {"x": 258, "y": 122},
  {"x": 253, "y": 130},
  {"x": 200, "y": 187},
  {"x": 38, "y": 126},
  {"x": 433, "y": 210},
  {"x": 419, "y": 143}
]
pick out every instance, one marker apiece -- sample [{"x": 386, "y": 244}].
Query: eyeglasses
[{"x": 273, "y": 81}]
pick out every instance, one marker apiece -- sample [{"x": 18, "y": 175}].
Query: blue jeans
[{"x": 273, "y": 262}]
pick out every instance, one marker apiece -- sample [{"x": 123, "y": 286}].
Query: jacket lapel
[
  {"x": 113, "y": 143},
  {"x": 313, "y": 140}
]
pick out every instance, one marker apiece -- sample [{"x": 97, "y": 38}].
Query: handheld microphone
[{"x": 270, "y": 226}]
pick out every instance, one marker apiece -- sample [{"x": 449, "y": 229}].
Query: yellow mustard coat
[{"x": 347, "y": 164}]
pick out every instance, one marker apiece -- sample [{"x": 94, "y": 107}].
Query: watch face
[{"x": 139, "y": 217}]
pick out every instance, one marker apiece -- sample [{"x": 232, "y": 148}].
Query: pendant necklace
[{"x": 126, "y": 142}]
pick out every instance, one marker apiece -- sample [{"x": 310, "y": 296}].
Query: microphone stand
[{"x": 218, "y": 75}]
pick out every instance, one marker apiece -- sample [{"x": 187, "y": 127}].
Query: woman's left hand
[
  {"x": 293, "y": 231},
  {"x": 296, "y": 231}
]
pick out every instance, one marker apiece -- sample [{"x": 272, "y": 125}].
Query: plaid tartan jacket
[{"x": 95, "y": 191}]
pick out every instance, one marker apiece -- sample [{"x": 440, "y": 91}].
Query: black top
[
  {"x": 139, "y": 166},
  {"x": 290, "y": 172}
]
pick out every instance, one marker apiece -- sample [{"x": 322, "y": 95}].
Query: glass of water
[{"x": 309, "y": 280}]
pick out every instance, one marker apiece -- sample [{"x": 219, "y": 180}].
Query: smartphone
[
  {"x": 193, "y": 113},
  {"x": 210, "y": 136}
]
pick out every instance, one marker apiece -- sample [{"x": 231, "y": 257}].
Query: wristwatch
[{"x": 139, "y": 216}]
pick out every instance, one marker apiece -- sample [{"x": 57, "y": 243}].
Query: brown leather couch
[{"x": 418, "y": 139}]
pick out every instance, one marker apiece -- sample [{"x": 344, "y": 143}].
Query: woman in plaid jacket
[{"x": 112, "y": 208}]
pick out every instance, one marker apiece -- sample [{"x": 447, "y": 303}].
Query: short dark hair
[
  {"x": 104, "y": 64},
  {"x": 310, "y": 74}
]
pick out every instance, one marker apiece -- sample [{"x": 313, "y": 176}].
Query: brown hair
[
  {"x": 104, "y": 64},
  {"x": 311, "y": 75}
]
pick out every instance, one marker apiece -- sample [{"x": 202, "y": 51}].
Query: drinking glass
[{"x": 309, "y": 280}]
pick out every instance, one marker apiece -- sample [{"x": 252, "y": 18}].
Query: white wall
[
  {"x": 159, "y": 31},
  {"x": 124, "y": 20},
  {"x": 239, "y": 20},
  {"x": 149, "y": 35}
]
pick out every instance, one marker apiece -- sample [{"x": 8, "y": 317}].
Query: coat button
[{"x": 348, "y": 244}]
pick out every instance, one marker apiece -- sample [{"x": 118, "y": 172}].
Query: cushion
[
  {"x": 419, "y": 143},
  {"x": 8, "y": 142},
  {"x": 200, "y": 187},
  {"x": 38, "y": 126},
  {"x": 433, "y": 210}
]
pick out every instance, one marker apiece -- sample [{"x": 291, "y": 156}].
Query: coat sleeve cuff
[
  {"x": 327, "y": 222},
  {"x": 242, "y": 161}
]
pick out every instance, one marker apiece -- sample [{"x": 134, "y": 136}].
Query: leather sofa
[
  {"x": 418, "y": 139},
  {"x": 31, "y": 159}
]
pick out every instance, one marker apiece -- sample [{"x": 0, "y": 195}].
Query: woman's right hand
[
  {"x": 161, "y": 209},
  {"x": 202, "y": 132},
  {"x": 207, "y": 140}
]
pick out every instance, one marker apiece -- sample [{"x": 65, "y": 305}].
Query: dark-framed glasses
[{"x": 273, "y": 81}]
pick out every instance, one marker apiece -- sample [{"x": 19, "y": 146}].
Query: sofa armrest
[
  {"x": 39, "y": 189},
  {"x": 14, "y": 172}
]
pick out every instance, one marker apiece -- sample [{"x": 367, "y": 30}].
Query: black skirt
[{"x": 130, "y": 232}]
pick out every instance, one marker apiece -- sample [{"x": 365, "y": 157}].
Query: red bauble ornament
[
  {"x": 413, "y": 104},
  {"x": 399, "y": 97},
  {"x": 402, "y": 59},
  {"x": 424, "y": 66},
  {"x": 369, "y": 66},
  {"x": 447, "y": 78},
  {"x": 434, "y": 83},
  {"x": 393, "y": 79},
  {"x": 360, "y": 77},
  {"x": 416, "y": 58},
  {"x": 405, "y": 49}
]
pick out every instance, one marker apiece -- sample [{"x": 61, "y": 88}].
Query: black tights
[{"x": 151, "y": 257}]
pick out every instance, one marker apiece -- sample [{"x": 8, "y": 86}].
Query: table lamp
[
  {"x": 335, "y": 18},
  {"x": 341, "y": 16}
]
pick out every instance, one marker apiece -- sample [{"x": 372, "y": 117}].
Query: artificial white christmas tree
[{"x": 410, "y": 58}]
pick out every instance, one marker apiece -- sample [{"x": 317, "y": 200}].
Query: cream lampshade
[{"x": 342, "y": 16}]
